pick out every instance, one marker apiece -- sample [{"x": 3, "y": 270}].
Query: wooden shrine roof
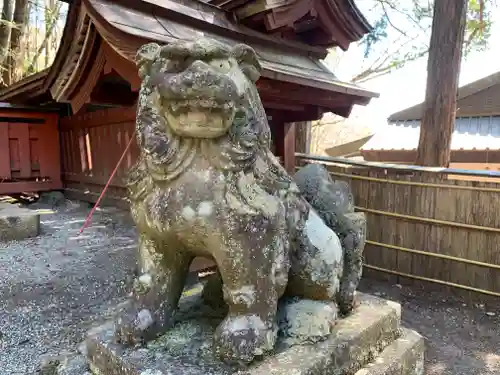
[
  {"x": 103, "y": 35},
  {"x": 317, "y": 22}
]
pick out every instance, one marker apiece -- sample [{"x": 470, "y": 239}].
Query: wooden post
[
  {"x": 303, "y": 136},
  {"x": 443, "y": 68},
  {"x": 4, "y": 152},
  {"x": 284, "y": 141}
]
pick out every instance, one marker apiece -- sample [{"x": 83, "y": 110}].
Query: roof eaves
[
  {"x": 463, "y": 92},
  {"x": 27, "y": 87}
]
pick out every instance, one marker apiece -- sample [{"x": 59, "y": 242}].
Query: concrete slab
[
  {"x": 18, "y": 223},
  {"x": 186, "y": 349}
]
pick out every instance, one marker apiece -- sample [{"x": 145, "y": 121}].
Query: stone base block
[
  {"x": 405, "y": 356},
  {"x": 17, "y": 223},
  {"x": 187, "y": 348}
]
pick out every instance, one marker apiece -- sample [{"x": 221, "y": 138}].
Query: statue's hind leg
[
  {"x": 156, "y": 292},
  {"x": 316, "y": 261},
  {"x": 353, "y": 242}
]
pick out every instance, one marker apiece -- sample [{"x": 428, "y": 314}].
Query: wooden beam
[
  {"x": 293, "y": 94},
  {"x": 309, "y": 113},
  {"x": 273, "y": 105},
  {"x": 408, "y": 156},
  {"x": 28, "y": 186}
]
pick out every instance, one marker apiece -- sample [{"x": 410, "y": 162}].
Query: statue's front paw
[
  {"x": 134, "y": 328},
  {"x": 239, "y": 339}
]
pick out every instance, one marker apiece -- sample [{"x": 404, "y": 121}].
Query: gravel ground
[{"x": 55, "y": 287}]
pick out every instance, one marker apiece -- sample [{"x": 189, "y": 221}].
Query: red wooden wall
[
  {"x": 29, "y": 152},
  {"x": 91, "y": 145}
]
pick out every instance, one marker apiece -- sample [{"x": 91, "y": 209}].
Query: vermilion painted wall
[{"x": 29, "y": 152}]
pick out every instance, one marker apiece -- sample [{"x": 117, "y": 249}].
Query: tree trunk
[
  {"x": 50, "y": 24},
  {"x": 5, "y": 27},
  {"x": 13, "y": 59},
  {"x": 443, "y": 69}
]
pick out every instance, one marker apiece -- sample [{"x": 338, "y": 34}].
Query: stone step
[
  {"x": 186, "y": 349},
  {"x": 405, "y": 356}
]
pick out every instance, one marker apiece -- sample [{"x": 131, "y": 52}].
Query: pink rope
[{"x": 89, "y": 217}]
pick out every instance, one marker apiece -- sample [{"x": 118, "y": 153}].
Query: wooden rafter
[{"x": 82, "y": 95}]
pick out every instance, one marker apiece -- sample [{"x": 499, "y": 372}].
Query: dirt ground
[
  {"x": 462, "y": 337},
  {"x": 55, "y": 287}
]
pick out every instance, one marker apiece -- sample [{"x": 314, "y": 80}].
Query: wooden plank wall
[
  {"x": 91, "y": 146},
  {"x": 429, "y": 213},
  {"x": 29, "y": 152}
]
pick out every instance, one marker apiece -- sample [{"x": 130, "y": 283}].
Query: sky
[{"x": 406, "y": 87}]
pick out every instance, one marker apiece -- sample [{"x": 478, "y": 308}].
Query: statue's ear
[
  {"x": 248, "y": 61},
  {"x": 145, "y": 57}
]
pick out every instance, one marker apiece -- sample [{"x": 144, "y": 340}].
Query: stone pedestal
[
  {"x": 18, "y": 223},
  {"x": 370, "y": 341}
]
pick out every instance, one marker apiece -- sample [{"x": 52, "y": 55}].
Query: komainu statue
[{"x": 206, "y": 184}]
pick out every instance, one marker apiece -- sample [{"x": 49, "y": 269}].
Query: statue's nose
[{"x": 201, "y": 71}]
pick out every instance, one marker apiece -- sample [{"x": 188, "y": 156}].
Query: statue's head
[{"x": 199, "y": 86}]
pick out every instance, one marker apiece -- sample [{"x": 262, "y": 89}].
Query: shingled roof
[
  {"x": 97, "y": 29},
  {"x": 464, "y": 92},
  {"x": 476, "y": 135}
]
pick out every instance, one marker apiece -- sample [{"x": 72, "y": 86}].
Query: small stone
[
  {"x": 399, "y": 286},
  {"x": 49, "y": 365},
  {"x": 82, "y": 348},
  {"x": 489, "y": 313},
  {"x": 53, "y": 199},
  {"x": 74, "y": 365}
]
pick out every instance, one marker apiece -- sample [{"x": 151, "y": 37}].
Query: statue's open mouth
[{"x": 199, "y": 118}]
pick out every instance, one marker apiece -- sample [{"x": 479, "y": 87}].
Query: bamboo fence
[{"x": 424, "y": 225}]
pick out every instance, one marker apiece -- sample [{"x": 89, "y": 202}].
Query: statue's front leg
[
  {"x": 254, "y": 276},
  {"x": 156, "y": 293}
]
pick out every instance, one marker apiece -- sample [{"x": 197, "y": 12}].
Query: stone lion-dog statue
[{"x": 206, "y": 184}]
